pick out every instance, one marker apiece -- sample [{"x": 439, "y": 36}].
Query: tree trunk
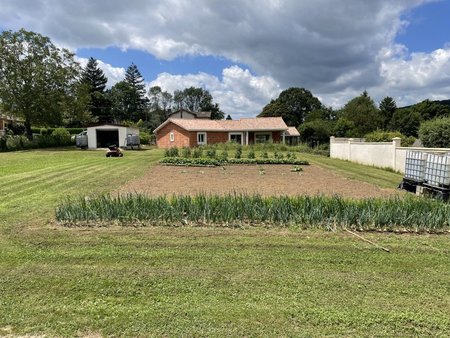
[{"x": 28, "y": 129}]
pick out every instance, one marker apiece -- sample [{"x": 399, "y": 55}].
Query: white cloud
[
  {"x": 238, "y": 93},
  {"x": 335, "y": 48}
]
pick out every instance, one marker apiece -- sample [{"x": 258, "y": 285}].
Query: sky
[{"x": 245, "y": 52}]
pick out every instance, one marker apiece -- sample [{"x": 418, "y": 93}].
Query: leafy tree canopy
[
  {"x": 195, "y": 100},
  {"x": 363, "y": 113},
  {"x": 293, "y": 105},
  {"x": 36, "y": 78}
]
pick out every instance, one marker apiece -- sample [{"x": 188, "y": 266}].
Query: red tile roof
[
  {"x": 292, "y": 131},
  {"x": 247, "y": 124}
]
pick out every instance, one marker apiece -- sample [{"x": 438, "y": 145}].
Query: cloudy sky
[{"x": 246, "y": 51}]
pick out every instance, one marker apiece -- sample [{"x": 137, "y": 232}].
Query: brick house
[{"x": 176, "y": 132}]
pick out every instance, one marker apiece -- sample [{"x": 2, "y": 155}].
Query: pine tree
[
  {"x": 387, "y": 110},
  {"x": 94, "y": 78},
  {"x": 137, "y": 104}
]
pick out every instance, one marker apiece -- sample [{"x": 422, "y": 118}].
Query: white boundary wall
[{"x": 378, "y": 154}]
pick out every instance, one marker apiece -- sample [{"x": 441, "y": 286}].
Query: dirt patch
[{"x": 267, "y": 180}]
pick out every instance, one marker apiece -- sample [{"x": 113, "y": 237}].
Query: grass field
[{"x": 169, "y": 281}]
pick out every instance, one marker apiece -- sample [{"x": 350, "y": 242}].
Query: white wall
[{"x": 379, "y": 154}]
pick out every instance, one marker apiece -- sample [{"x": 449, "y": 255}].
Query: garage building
[{"x": 103, "y": 136}]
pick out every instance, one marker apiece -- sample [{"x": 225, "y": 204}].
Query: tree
[
  {"x": 197, "y": 99},
  {"x": 36, "y": 78},
  {"x": 435, "y": 133},
  {"x": 160, "y": 102},
  {"x": 344, "y": 128},
  {"x": 316, "y": 132},
  {"x": 94, "y": 78},
  {"x": 120, "y": 97},
  {"x": 293, "y": 105},
  {"x": 387, "y": 110},
  {"x": 137, "y": 102},
  {"x": 228, "y": 117},
  {"x": 406, "y": 121},
  {"x": 363, "y": 113}
]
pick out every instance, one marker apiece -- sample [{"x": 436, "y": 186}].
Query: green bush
[
  {"x": 251, "y": 153},
  {"x": 191, "y": 162},
  {"x": 186, "y": 152},
  {"x": 223, "y": 155},
  {"x": 435, "y": 133},
  {"x": 238, "y": 153},
  {"x": 197, "y": 152},
  {"x": 144, "y": 137},
  {"x": 171, "y": 152},
  {"x": 211, "y": 153},
  {"x": 387, "y": 136}
]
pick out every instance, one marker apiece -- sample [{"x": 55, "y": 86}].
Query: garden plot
[{"x": 266, "y": 180}]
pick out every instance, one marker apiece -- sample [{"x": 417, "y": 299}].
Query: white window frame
[
  {"x": 205, "y": 135},
  {"x": 236, "y": 133},
  {"x": 172, "y": 136},
  {"x": 263, "y": 133}
]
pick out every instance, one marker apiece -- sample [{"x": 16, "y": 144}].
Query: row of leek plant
[{"x": 396, "y": 213}]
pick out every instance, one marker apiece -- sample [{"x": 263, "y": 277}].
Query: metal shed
[{"x": 103, "y": 136}]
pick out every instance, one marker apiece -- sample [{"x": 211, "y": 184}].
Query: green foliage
[
  {"x": 144, "y": 137},
  {"x": 21, "y": 142},
  {"x": 39, "y": 93},
  {"x": 278, "y": 160},
  {"x": 363, "y": 113},
  {"x": 316, "y": 132},
  {"x": 344, "y": 128},
  {"x": 278, "y": 155},
  {"x": 186, "y": 152},
  {"x": 223, "y": 157},
  {"x": 211, "y": 152},
  {"x": 388, "y": 107},
  {"x": 293, "y": 105},
  {"x": 251, "y": 153},
  {"x": 387, "y": 136},
  {"x": 435, "y": 133},
  {"x": 191, "y": 162},
  {"x": 265, "y": 154},
  {"x": 407, "y": 121},
  {"x": 197, "y": 152},
  {"x": 171, "y": 152},
  {"x": 197, "y": 99},
  {"x": 95, "y": 81},
  {"x": 49, "y": 131},
  {"x": 238, "y": 152},
  {"x": 317, "y": 211}
]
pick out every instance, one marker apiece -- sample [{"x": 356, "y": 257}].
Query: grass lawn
[{"x": 169, "y": 281}]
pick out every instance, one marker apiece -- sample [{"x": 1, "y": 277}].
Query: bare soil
[{"x": 266, "y": 180}]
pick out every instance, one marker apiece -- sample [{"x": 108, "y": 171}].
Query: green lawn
[{"x": 169, "y": 281}]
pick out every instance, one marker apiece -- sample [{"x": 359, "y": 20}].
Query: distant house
[
  {"x": 185, "y": 132},
  {"x": 292, "y": 136},
  {"x": 186, "y": 114},
  {"x": 6, "y": 121}
]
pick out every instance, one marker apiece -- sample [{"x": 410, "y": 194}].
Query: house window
[
  {"x": 236, "y": 137},
  {"x": 172, "y": 137},
  {"x": 262, "y": 137},
  {"x": 201, "y": 138}
]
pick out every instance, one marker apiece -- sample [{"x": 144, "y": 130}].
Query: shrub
[
  {"x": 144, "y": 137},
  {"x": 171, "y": 152},
  {"x": 191, "y": 162},
  {"x": 387, "y": 136},
  {"x": 185, "y": 152},
  {"x": 435, "y": 133},
  {"x": 61, "y": 136},
  {"x": 265, "y": 154},
  {"x": 197, "y": 152},
  {"x": 238, "y": 153},
  {"x": 277, "y": 155},
  {"x": 251, "y": 153},
  {"x": 211, "y": 153},
  {"x": 223, "y": 155}
]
